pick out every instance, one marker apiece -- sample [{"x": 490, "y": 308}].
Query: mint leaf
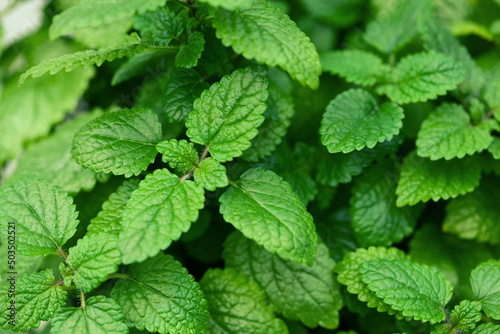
[
  {"x": 375, "y": 217},
  {"x": 230, "y": 5},
  {"x": 93, "y": 259},
  {"x": 51, "y": 159},
  {"x": 350, "y": 274},
  {"x": 485, "y": 281},
  {"x": 299, "y": 292},
  {"x": 184, "y": 86},
  {"x": 353, "y": 121},
  {"x": 45, "y": 215},
  {"x": 490, "y": 93},
  {"x": 261, "y": 205},
  {"x": 448, "y": 133},
  {"x": 423, "y": 76},
  {"x": 158, "y": 212},
  {"x": 180, "y": 154},
  {"x": 337, "y": 233},
  {"x": 340, "y": 168},
  {"x": 211, "y": 174},
  {"x": 416, "y": 290},
  {"x": 190, "y": 52},
  {"x": 267, "y": 34},
  {"x": 159, "y": 295},
  {"x": 122, "y": 142},
  {"x": 133, "y": 67},
  {"x": 422, "y": 179},
  {"x": 91, "y": 13},
  {"x": 475, "y": 215},
  {"x": 487, "y": 329},
  {"x": 356, "y": 66},
  {"x": 37, "y": 298},
  {"x": 463, "y": 318},
  {"x": 164, "y": 23},
  {"x": 494, "y": 148},
  {"x": 110, "y": 217},
  {"x": 237, "y": 305},
  {"x": 98, "y": 315},
  {"x": 227, "y": 115},
  {"x": 87, "y": 58}
]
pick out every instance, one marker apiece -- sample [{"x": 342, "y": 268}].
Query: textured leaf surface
[
  {"x": 494, "y": 148},
  {"x": 227, "y": 115},
  {"x": 340, "y": 168},
  {"x": 423, "y": 76},
  {"x": 165, "y": 24},
  {"x": 157, "y": 214},
  {"x": 110, "y": 217},
  {"x": 487, "y": 329},
  {"x": 230, "y": 5},
  {"x": 349, "y": 274},
  {"x": 485, "y": 281},
  {"x": 237, "y": 305},
  {"x": 263, "y": 32},
  {"x": 122, "y": 142},
  {"x": 94, "y": 258},
  {"x": 463, "y": 318},
  {"x": 264, "y": 208},
  {"x": 416, "y": 290},
  {"x": 86, "y": 58},
  {"x": 299, "y": 292},
  {"x": 375, "y": 217},
  {"x": 190, "y": 52},
  {"x": 475, "y": 215},
  {"x": 45, "y": 215},
  {"x": 211, "y": 174},
  {"x": 159, "y": 295},
  {"x": 353, "y": 121},
  {"x": 91, "y": 13},
  {"x": 448, "y": 133},
  {"x": 36, "y": 298},
  {"x": 51, "y": 159},
  {"x": 99, "y": 315},
  {"x": 180, "y": 154},
  {"x": 356, "y": 66},
  {"x": 422, "y": 179}
]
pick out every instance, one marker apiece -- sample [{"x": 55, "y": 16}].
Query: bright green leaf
[
  {"x": 267, "y": 34},
  {"x": 227, "y": 115},
  {"x": 230, "y": 5},
  {"x": 190, "y": 52},
  {"x": 180, "y": 154},
  {"x": 264, "y": 208},
  {"x": 158, "y": 213},
  {"x": 485, "y": 281},
  {"x": 122, "y": 142},
  {"x": 211, "y": 174},
  {"x": 45, "y": 215},
  {"x": 463, "y": 318},
  {"x": 353, "y": 121},
  {"x": 164, "y": 23},
  {"x": 494, "y": 148},
  {"x": 160, "y": 295},
  {"x": 487, "y": 329}
]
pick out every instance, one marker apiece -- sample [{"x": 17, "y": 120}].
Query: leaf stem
[
  {"x": 186, "y": 176},
  {"x": 166, "y": 49},
  {"x": 82, "y": 298},
  {"x": 61, "y": 252},
  {"x": 204, "y": 154},
  {"x": 117, "y": 275}
]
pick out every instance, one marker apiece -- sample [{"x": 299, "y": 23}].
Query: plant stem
[
  {"x": 205, "y": 153},
  {"x": 82, "y": 298},
  {"x": 166, "y": 49},
  {"x": 117, "y": 275},
  {"x": 61, "y": 252}
]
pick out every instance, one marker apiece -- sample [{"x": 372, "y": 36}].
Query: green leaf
[
  {"x": 349, "y": 274},
  {"x": 91, "y": 13},
  {"x": 45, "y": 215},
  {"x": 134, "y": 66},
  {"x": 164, "y": 23},
  {"x": 356, "y": 66},
  {"x": 180, "y": 154},
  {"x": 87, "y": 58},
  {"x": 51, "y": 159},
  {"x": 93, "y": 259},
  {"x": 29, "y": 112},
  {"x": 263, "y": 32},
  {"x": 397, "y": 27},
  {"x": 264, "y": 208},
  {"x": 227, "y": 115},
  {"x": 184, "y": 86},
  {"x": 463, "y": 318},
  {"x": 340, "y": 168},
  {"x": 37, "y": 298},
  {"x": 423, "y": 76},
  {"x": 160, "y": 295},
  {"x": 475, "y": 215},
  {"x": 158, "y": 213},
  {"x": 211, "y": 175},
  {"x": 109, "y": 219},
  {"x": 353, "y": 121},
  {"x": 299, "y": 292},
  {"x": 416, "y": 290},
  {"x": 23, "y": 264},
  {"x": 230, "y": 5},
  {"x": 485, "y": 281},
  {"x": 487, "y": 329},
  {"x": 490, "y": 93},
  {"x": 122, "y": 142},
  {"x": 237, "y": 305},
  {"x": 376, "y": 219},
  {"x": 106, "y": 35},
  {"x": 448, "y": 133},
  {"x": 494, "y": 148},
  {"x": 422, "y": 179},
  {"x": 99, "y": 315},
  {"x": 190, "y": 52}
]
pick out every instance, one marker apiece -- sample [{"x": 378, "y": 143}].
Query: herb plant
[{"x": 252, "y": 166}]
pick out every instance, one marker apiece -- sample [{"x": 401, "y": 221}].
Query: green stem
[
  {"x": 82, "y": 298},
  {"x": 68, "y": 288},
  {"x": 392, "y": 59},
  {"x": 204, "y": 154},
  {"x": 166, "y": 49},
  {"x": 117, "y": 275},
  {"x": 61, "y": 252}
]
